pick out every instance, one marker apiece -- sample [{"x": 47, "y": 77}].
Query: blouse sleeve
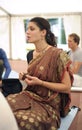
[{"x": 29, "y": 56}]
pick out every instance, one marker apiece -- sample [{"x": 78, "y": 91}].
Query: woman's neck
[{"x": 41, "y": 48}]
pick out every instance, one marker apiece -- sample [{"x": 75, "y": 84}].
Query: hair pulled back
[{"x": 44, "y": 24}]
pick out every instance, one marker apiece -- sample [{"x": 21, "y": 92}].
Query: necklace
[{"x": 43, "y": 50}]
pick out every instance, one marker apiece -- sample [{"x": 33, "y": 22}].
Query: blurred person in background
[
  {"x": 4, "y": 65},
  {"x": 75, "y": 53}
]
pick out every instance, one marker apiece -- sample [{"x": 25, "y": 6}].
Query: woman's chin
[{"x": 30, "y": 41}]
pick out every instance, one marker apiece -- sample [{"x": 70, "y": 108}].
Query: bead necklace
[{"x": 43, "y": 50}]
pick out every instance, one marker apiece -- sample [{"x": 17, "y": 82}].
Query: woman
[{"x": 48, "y": 80}]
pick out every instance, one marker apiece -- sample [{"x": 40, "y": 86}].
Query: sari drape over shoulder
[{"x": 37, "y": 107}]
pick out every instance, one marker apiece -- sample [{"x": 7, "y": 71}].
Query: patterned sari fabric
[{"x": 37, "y": 107}]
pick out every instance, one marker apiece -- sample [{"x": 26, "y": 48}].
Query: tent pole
[
  {"x": 10, "y": 39},
  {"x": 5, "y": 11}
]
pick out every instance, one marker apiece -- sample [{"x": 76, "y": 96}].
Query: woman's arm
[{"x": 63, "y": 87}]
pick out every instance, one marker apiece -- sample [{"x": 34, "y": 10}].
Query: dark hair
[
  {"x": 76, "y": 38},
  {"x": 44, "y": 24}
]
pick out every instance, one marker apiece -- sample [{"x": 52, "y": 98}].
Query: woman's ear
[{"x": 44, "y": 32}]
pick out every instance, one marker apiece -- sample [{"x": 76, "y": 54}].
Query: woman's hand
[
  {"x": 22, "y": 76},
  {"x": 31, "y": 80}
]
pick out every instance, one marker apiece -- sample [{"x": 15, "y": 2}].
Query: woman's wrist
[{"x": 42, "y": 83}]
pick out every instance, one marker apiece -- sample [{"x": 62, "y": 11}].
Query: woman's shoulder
[
  {"x": 64, "y": 57},
  {"x": 61, "y": 54},
  {"x": 58, "y": 51}
]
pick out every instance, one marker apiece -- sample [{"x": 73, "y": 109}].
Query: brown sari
[{"x": 37, "y": 107}]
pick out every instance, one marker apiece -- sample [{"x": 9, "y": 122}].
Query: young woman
[{"x": 48, "y": 79}]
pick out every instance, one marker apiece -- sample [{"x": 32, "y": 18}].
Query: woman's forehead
[{"x": 32, "y": 24}]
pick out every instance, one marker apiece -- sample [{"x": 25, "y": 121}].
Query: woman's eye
[{"x": 32, "y": 29}]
